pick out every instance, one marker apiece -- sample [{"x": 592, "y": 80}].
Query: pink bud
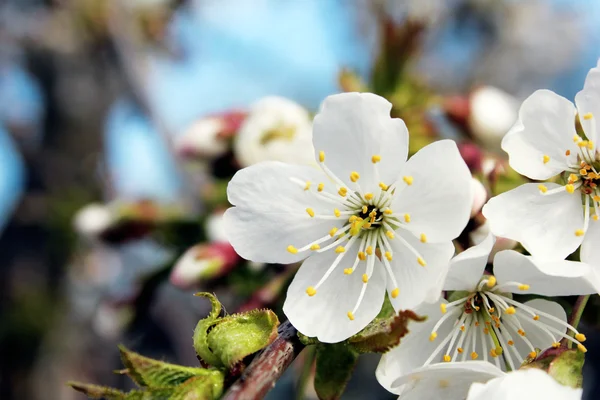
[{"x": 202, "y": 262}]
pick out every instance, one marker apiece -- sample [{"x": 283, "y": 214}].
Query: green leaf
[
  {"x": 153, "y": 373},
  {"x": 224, "y": 342},
  {"x": 564, "y": 365},
  {"x": 239, "y": 335},
  {"x": 102, "y": 392},
  {"x": 199, "y": 388},
  {"x": 383, "y": 333},
  {"x": 335, "y": 363}
]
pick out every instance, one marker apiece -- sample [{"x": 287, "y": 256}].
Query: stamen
[
  {"x": 395, "y": 293},
  {"x": 350, "y": 316},
  {"x": 579, "y": 232},
  {"x": 408, "y": 180},
  {"x": 340, "y": 249},
  {"x": 390, "y": 234},
  {"x": 315, "y": 247},
  {"x": 407, "y": 218},
  {"x": 336, "y": 212},
  {"x": 423, "y": 238},
  {"x": 354, "y": 176},
  {"x": 321, "y": 187},
  {"x": 311, "y": 291},
  {"x": 491, "y": 281},
  {"x": 375, "y": 159},
  {"x": 368, "y": 196},
  {"x": 383, "y": 186},
  {"x": 546, "y": 159},
  {"x": 343, "y": 191},
  {"x": 365, "y": 278},
  {"x": 588, "y": 116},
  {"x": 310, "y": 212},
  {"x": 321, "y": 156},
  {"x": 421, "y": 262},
  {"x": 292, "y": 249},
  {"x": 307, "y": 185},
  {"x": 333, "y": 231},
  {"x": 542, "y": 188}
]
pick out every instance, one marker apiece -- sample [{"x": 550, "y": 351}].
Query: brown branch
[{"x": 267, "y": 367}]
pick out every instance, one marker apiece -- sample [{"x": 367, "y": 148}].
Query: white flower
[
  {"x": 480, "y": 196},
  {"x": 523, "y": 384},
  {"x": 492, "y": 113},
  {"x": 276, "y": 129},
  {"x": 215, "y": 227},
  {"x": 203, "y": 139},
  {"x": 93, "y": 219},
  {"x": 448, "y": 381},
  {"x": 552, "y": 220},
  {"x": 484, "y": 322},
  {"x": 367, "y": 219}
]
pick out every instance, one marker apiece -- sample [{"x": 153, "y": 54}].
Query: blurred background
[{"x": 122, "y": 121}]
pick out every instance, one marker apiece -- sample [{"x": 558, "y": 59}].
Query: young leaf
[
  {"x": 201, "y": 332},
  {"x": 335, "y": 363},
  {"x": 199, "y": 388}
]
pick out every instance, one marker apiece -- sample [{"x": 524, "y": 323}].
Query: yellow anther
[
  {"x": 292, "y": 249},
  {"x": 432, "y": 336},
  {"x": 542, "y": 188},
  {"x": 447, "y": 358},
  {"x": 343, "y": 191},
  {"x": 388, "y": 211},
  {"x": 588, "y": 116},
  {"x": 583, "y": 171},
  {"x": 350, "y": 316},
  {"x": 596, "y": 198},
  {"x": 354, "y": 176},
  {"x": 491, "y": 281},
  {"x": 590, "y": 145},
  {"x": 388, "y": 255},
  {"x": 443, "y": 308},
  {"x": 521, "y": 332},
  {"x": 573, "y": 178},
  {"x": 595, "y": 217},
  {"x": 362, "y": 256},
  {"x": 315, "y": 247},
  {"x": 546, "y": 159},
  {"x": 510, "y": 310},
  {"x": 532, "y": 354},
  {"x": 321, "y": 187},
  {"x": 474, "y": 356},
  {"x": 493, "y": 353},
  {"x": 576, "y": 138},
  {"x": 390, "y": 234},
  {"x": 322, "y": 156},
  {"x": 311, "y": 291},
  {"x": 511, "y": 343},
  {"x": 365, "y": 278},
  {"x": 340, "y": 249},
  {"x": 307, "y": 186},
  {"x": 581, "y": 348},
  {"x": 408, "y": 180},
  {"x": 523, "y": 287},
  {"x": 421, "y": 262},
  {"x": 353, "y": 218},
  {"x": 310, "y": 212},
  {"x": 332, "y": 231},
  {"x": 395, "y": 293},
  {"x": 375, "y": 159},
  {"x": 486, "y": 331},
  {"x": 369, "y": 250},
  {"x": 336, "y": 212},
  {"x": 556, "y": 345},
  {"x": 407, "y": 218},
  {"x": 569, "y": 188},
  {"x": 462, "y": 328},
  {"x": 581, "y": 337},
  {"x": 568, "y": 153},
  {"x": 579, "y": 232},
  {"x": 348, "y": 271},
  {"x": 460, "y": 350},
  {"x": 423, "y": 238},
  {"x": 476, "y": 323},
  {"x": 383, "y": 186},
  {"x": 583, "y": 143},
  {"x": 368, "y": 196},
  {"x": 536, "y": 317},
  {"x": 365, "y": 209}
]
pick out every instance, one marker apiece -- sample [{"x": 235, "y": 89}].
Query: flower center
[
  {"x": 368, "y": 226},
  {"x": 582, "y": 177},
  {"x": 489, "y": 322}
]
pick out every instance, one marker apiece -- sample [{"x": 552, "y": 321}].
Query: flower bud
[
  {"x": 276, "y": 129},
  {"x": 93, "y": 219},
  {"x": 472, "y": 155},
  {"x": 202, "y": 140},
  {"x": 492, "y": 113},
  {"x": 203, "y": 261}
]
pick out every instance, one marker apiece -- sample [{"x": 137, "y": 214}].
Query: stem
[
  {"x": 577, "y": 313},
  {"x": 267, "y": 367}
]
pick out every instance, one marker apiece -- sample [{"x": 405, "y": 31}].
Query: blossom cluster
[{"x": 372, "y": 225}]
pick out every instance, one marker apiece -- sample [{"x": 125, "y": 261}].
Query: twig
[{"x": 267, "y": 367}]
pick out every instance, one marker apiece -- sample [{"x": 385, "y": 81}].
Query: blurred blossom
[
  {"x": 93, "y": 219},
  {"x": 215, "y": 229},
  {"x": 479, "y": 234},
  {"x": 22, "y": 110},
  {"x": 139, "y": 163},
  {"x": 12, "y": 175},
  {"x": 276, "y": 129},
  {"x": 203, "y": 262},
  {"x": 209, "y": 138},
  {"x": 233, "y": 52},
  {"x": 492, "y": 113},
  {"x": 480, "y": 196}
]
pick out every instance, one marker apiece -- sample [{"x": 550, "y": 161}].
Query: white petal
[
  {"x": 546, "y": 126},
  {"x": 417, "y": 283},
  {"x": 525, "y": 384},
  {"x": 544, "y": 224},
  {"x": 353, "y": 127},
  {"x": 533, "y": 329},
  {"x": 548, "y": 278},
  {"x": 324, "y": 315},
  {"x": 270, "y": 212},
  {"x": 466, "y": 269},
  {"x": 590, "y": 251},
  {"x": 588, "y": 101},
  {"x": 414, "y": 349},
  {"x": 448, "y": 381},
  {"x": 439, "y": 199}
]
